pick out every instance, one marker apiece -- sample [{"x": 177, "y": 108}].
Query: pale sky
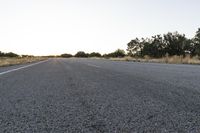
[{"x": 43, "y": 27}]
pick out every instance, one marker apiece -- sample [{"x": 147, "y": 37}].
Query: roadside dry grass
[
  {"x": 169, "y": 60},
  {"x": 14, "y": 61}
]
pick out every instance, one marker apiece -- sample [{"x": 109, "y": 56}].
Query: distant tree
[
  {"x": 81, "y": 54},
  {"x": 66, "y": 55},
  {"x": 175, "y": 43},
  {"x": 24, "y": 56},
  {"x": 117, "y": 54},
  {"x": 11, "y": 54},
  {"x": 134, "y": 47},
  {"x": 158, "y": 46},
  {"x": 105, "y": 55},
  {"x": 196, "y": 40},
  {"x": 189, "y": 47},
  {"x": 52, "y": 56},
  {"x": 1, "y": 54},
  {"x": 153, "y": 47},
  {"x": 94, "y": 54}
]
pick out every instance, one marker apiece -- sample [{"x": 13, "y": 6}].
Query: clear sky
[{"x": 43, "y": 27}]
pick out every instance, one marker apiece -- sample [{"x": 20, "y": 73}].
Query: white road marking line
[
  {"x": 16, "y": 69},
  {"x": 94, "y": 65}
]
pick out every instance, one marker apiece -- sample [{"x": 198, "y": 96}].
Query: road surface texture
[{"x": 97, "y": 96}]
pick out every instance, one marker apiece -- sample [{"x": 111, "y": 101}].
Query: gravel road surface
[{"x": 100, "y": 96}]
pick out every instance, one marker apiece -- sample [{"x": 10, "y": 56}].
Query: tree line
[
  {"x": 10, "y": 54},
  {"x": 81, "y": 54},
  {"x": 168, "y": 44}
]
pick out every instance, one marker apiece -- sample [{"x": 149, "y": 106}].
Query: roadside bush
[
  {"x": 1, "y": 54},
  {"x": 26, "y": 56},
  {"x": 158, "y": 46},
  {"x": 119, "y": 53},
  {"x": 66, "y": 55},
  {"x": 10, "y": 54},
  {"x": 81, "y": 54},
  {"x": 94, "y": 54}
]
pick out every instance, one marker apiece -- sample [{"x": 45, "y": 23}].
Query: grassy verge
[
  {"x": 169, "y": 60},
  {"x": 14, "y": 61}
]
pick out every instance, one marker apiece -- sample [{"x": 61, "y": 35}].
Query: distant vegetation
[
  {"x": 119, "y": 53},
  {"x": 116, "y": 54},
  {"x": 169, "y": 44},
  {"x": 7, "y": 59},
  {"x": 94, "y": 54},
  {"x": 10, "y": 54},
  {"x": 172, "y": 47},
  {"x": 81, "y": 54},
  {"x": 158, "y": 46},
  {"x": 66, "y": 55},
  {"x": 169, "y": 48}
]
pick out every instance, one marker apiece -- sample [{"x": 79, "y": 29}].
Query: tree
[
  {"x": 158, "y": 46},
  {"x": 10, "y": 54},
  {"x": 196, "y": 40},
  {"x": 81, "y": 54},
  {"x": 116, "y": 54},
  {"x": 25, "y": 56},
  {"x": 94, "y": 54},
  {"x": 1, "y": 54},
  {"x": 134, "y": 47},
  {"x": 153, "y": 47},
  {"x": 66, "y": 55},
  {"x": 175, "y": 43}
]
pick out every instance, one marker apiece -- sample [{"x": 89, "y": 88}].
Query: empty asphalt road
[{"x": 97, "y": 96}]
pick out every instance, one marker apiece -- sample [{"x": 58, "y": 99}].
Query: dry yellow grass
[
  {"x": 181, "y": 60},
  {"x": 14, "y": 61},
  {"x": 171, "y": 60}
]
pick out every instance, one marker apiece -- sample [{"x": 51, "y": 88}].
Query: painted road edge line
[{"x": 19, "y": 68}]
